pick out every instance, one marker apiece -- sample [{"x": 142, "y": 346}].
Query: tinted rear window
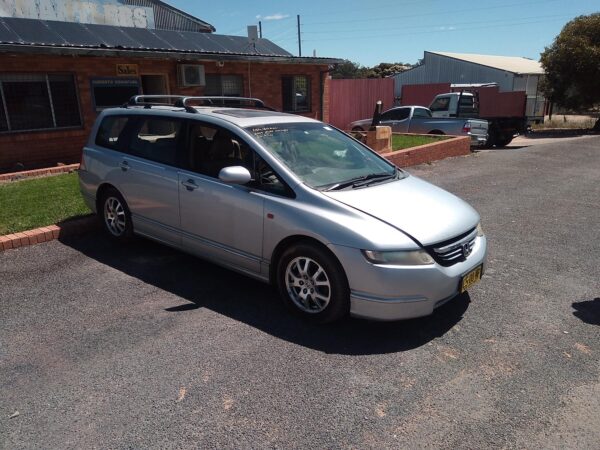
[
  {"x": 111, "y": 133},
  {"x": 157, "y": 139}
]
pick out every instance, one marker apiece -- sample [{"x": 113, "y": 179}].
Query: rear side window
[
  {"x": 396, "y": 114},
  {"x": 157, "y": 139},
  {"x": 421, "y": 112},
  {"x": 111, "y": 133},
  {"x": 440, "y": 104}
]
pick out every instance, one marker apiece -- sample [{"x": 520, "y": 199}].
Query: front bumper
[{"x": 381, "y": 292}]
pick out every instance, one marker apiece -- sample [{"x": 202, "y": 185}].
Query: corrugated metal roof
[
  {"x": 45, "y": 33},
  {"x": 514, "y": 64}
]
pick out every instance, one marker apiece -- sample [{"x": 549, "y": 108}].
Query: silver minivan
[{"x": 285, "y": 199}]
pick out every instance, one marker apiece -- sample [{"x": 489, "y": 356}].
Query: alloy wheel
[
  {"x": 114, "y": 216},
  {"x": 307, "y": 284}
]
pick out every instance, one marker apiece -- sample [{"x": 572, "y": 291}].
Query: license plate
[{"x": 470, "y": 279}]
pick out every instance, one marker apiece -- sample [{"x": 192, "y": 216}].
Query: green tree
[
  {"x": 572, "y": 65},
  {"x": 349, "y": 69},
  {"x": 383, "y": 70}
]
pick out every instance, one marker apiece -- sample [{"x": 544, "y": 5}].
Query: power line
[
  {"x": 378, "y": 36},
  {"x": 454, "y": 11},
  {"x": 378, "y": 7},
  {"x": 353, "y": 31}
]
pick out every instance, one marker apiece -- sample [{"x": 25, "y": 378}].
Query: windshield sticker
[{"x": 268, "y": 131}]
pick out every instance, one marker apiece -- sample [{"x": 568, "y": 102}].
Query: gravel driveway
[{"x": 143, "y": 347}]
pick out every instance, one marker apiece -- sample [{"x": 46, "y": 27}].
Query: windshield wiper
[{"x": 364, "y": 180}]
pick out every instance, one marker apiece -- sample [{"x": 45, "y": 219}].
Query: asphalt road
[{"x": 143, "y": 347}]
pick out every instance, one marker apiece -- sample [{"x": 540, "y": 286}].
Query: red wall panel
[{"x": 352, "y": 100}]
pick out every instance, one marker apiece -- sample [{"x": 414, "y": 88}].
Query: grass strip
[
  {"x": 402, "y": 141},
  {"x": 39, "y": 202}
]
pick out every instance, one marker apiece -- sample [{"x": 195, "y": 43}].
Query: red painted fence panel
[
  {"x": 422, "y": 94},
  {"x": 351, "y": 100}
]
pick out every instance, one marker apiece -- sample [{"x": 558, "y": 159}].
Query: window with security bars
[
  {"x": 296, "y": 93},
  {"x": 224, "y": 85},
  {"x": 38, "y": 101}
]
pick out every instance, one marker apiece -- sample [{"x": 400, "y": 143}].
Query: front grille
[{"x": 454, "y": 250}]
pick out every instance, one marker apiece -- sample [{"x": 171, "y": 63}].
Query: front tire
[
  {"x": 115, "y": 215},
  {"x": 312, "y": 283}
]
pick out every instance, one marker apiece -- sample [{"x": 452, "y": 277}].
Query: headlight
[
  {"x": 400, "y": 257},
  {"x": 480, "y": 230}
]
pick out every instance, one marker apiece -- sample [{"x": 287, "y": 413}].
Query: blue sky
[{"x": 397, "y": 31}]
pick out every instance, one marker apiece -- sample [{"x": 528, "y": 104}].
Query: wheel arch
[
  {"x": 104, "y": 187},
  {"x": 439, "y": 132},
  {"x": 287, "y": 242}
]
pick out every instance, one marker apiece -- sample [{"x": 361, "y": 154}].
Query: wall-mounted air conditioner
[{"x": 191, "y": 75}]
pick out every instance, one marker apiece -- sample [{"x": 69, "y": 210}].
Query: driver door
[
  {"x": 397, "y": 119},
  {"x": 219, "y": 220}
]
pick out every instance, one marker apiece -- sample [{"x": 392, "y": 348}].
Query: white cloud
[{"x": 277, "y": 16}]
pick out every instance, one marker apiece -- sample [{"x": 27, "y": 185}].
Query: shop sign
[{"x": 127, "y": 70}]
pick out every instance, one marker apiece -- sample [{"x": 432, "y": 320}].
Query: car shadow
[
  {"x": 505, "y": 148},
  {"x": 588, "y": 311},
  {"x": 201, "y": 284},
  {"x": 558, "y": 134}
]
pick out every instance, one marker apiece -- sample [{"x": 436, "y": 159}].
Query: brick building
[{"x": 56, "y": 75}]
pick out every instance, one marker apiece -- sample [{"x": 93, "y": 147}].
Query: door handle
[
  {"x": 124, "y": 166},
  {"x": 190, "y": 185}
]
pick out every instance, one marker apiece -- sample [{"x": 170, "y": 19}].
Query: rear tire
[
  {"x": 438, "y": 132},
  {"x": 312, "y": 283},
  {"x": 357, "y": 129},
  {"x": 115, "y": 215},
  {"x": 503, "y": 141}
]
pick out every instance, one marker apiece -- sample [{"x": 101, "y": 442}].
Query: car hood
[
  {"x": 425, "y": 212},
  {"x": 361, "y": 123}
]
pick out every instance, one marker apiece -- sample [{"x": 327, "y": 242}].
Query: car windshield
[{"x": 323, "y": 157}]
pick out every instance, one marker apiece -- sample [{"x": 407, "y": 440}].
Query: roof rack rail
[{"x": 182, "y": 101}]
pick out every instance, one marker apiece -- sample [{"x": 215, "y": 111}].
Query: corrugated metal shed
[
  {"x": 153, "y": 14},
  {"x": 76, "y": 38},
  {"x": 440, "y": 67},
  {"x": 514, "y": 64},
  {"x": 167, "y": 17}
]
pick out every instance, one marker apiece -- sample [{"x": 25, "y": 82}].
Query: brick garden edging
[
  {"x": 14, "y": 176},
  {"x": 454, "y": 146},
  {"x": 69, "y": 227}
]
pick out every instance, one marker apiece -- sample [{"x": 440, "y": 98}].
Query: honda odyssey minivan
[{"x": 285, "y": 199}]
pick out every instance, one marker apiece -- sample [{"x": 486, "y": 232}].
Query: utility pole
[
  {"x": 299, "y": 40},
  {"x": 260, "y": 29}
]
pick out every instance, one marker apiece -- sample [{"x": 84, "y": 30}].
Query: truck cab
[
  {"x": 505, "y": 112},
  {"x": 455, "y": 104}
]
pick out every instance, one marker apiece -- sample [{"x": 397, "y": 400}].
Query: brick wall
[
  {"x": 48, "y": 147},
  {"x": 455, "y": 146}
]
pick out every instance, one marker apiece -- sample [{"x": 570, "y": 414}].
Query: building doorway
[{"x": 154, "y": 85}]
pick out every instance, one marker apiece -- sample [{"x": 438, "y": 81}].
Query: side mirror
[{"x": 235, "y": 175}]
